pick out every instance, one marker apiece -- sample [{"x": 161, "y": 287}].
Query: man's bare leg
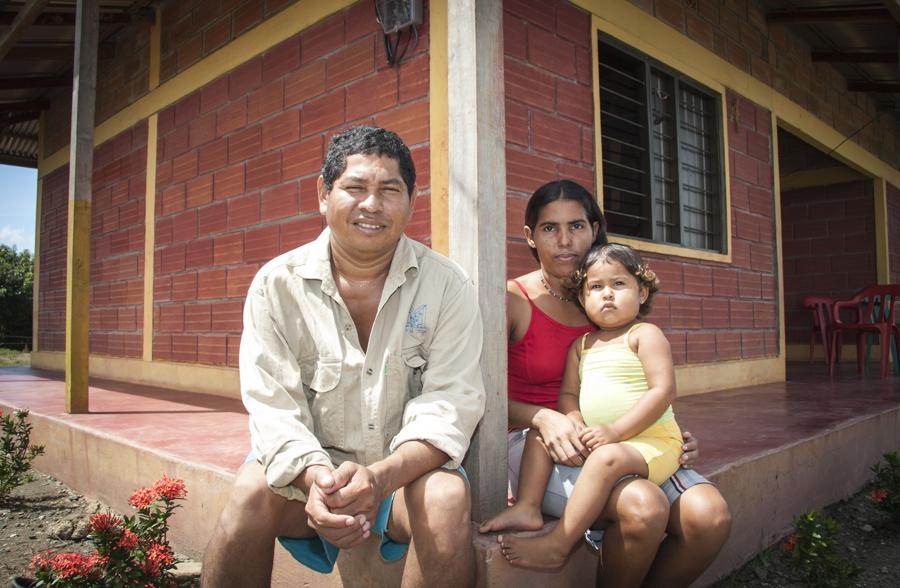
[
  {"x": 433, "y": 514},
  {"x": 636, "y": 514},
  {"x": 699, "y": 524},
  {"x": 242, "y": 547}
]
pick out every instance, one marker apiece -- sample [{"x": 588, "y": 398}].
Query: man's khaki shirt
[{"x": 315, "y": 397}]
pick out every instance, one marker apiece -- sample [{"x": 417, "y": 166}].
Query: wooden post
[
  {"x": 477, "y": 223},
  {"x": 81, "y": 158}
]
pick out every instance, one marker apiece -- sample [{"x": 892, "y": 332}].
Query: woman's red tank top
[{"x": 537, "y": 361}]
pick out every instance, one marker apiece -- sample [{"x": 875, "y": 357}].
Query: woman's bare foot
[
  {"x": 540, "y": 553},
  {"x": 518, "y": 517}
]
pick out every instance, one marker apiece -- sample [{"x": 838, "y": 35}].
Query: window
[{"x": 662, "y": 152}]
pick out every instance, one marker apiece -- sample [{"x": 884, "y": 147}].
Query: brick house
[{"x": 210, "y": 135}]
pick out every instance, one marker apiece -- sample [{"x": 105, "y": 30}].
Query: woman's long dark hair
[{"x": 565, "y": 190}]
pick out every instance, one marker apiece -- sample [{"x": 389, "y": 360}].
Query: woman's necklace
[{"x": 553, "y": 292}]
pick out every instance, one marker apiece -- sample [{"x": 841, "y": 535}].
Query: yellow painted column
[
  {"x": 882, "y": 251},
  {"x": 78, "y": 255},
  {"x": 150, "y": 196},
  {"x": 438, "y": 123}
]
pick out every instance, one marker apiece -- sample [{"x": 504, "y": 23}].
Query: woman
[{"x": 562, "y": 221}]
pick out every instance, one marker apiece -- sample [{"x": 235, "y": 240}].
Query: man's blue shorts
[{"x": 320, "y": 554}]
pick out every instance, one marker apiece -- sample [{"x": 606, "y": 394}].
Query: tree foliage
[{"x": 16, "y": 278}]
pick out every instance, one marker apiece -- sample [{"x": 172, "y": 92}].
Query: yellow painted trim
[
  {"x": 779, "y": 241},
  {"x": 721, "y": 375},
  {"x": 285, "y": 24},
  {"x": 155, "y": 44},
  {"x": 644, "y": 32},
  {"x": 799, "y": 352},
  {"x": 812, "y": 178},
  {"x": 149, "y": 235},
  {"x": 186, "y": 377},
  {"x": 78, "y": 267},
  {"x": 438, "y": 121},
  {"x": 882, "y": 247},
  {"x": 598, "y": 24},
  {"x": 36, "y": 271}
]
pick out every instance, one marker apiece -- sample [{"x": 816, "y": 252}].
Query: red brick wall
[
  {"x": 52, "y": 277},
  {"x": 117, "y": 244},
  {"x": 193, "y": 30},
  {"x": 237, "y": 167},
  {"x": 709, "y": 311},
  {"x": 123, "y": 65},
  {"x": 549, "y": 108},
  {"x": 893, "y": 211},
  {"x": 736, "y": 31},
  {"x": 829, "y": 247}
]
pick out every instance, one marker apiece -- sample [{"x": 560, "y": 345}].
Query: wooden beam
[
  {"x": 24, "y": 18},
  {"x": 41, "y": 53},
  {"x": 20, "y": 83},
  {"x": 837, "y": 14},
  {"x": 855, "y": 56},
  {"x": 477, "y": 207},
  {"x": 35, "y": 105},
  {"x": 890, "y": 87},
  {"x": 81, "y": 164},
  {"x": 67, "y": 19}
]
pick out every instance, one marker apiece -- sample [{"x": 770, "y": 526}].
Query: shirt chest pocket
[
  {"x": 321, "y": 377},
  {"x": 403, "y": 382}
]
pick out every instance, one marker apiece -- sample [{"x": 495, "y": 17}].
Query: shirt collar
[{"x": 318, "y": 263}]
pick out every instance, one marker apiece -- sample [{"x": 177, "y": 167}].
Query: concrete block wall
[{"x": 829, "y": 247}]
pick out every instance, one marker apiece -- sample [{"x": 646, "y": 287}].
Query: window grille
[{"x": 661, "y": 140}]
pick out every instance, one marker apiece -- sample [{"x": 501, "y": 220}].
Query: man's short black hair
[{"x": 367, "y": 140}]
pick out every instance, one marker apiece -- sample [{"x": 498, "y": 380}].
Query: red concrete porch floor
[{"x": 774, "y": 450}]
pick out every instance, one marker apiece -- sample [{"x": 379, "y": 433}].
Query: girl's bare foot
[
  {"x": 541, "y": 553},
  {"x": 516, "y": 518}
]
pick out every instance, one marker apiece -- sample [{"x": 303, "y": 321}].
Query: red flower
[
  {"x": 67, "y": 565},
  {"x": 880, "y": 494},
  {"x": 128, "y": 540},
  {"x": 158, "y": 556},
  {"x": 789, "y": 543},
  {"x": 142, "y": 498},
  {"x": 104, "y": 522},
  {"x": 169, "y": 489}
]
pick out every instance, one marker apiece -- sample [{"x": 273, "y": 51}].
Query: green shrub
[
  {"x": 16, "y": 451},
  {"x": 811, "y": 552},
  {"x": 887, "y": 485}
]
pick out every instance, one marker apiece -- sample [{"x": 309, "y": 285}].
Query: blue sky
[{"x": 18, "y": 192}]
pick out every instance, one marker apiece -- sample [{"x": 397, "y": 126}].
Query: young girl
[{"x": 618, "y": 387}]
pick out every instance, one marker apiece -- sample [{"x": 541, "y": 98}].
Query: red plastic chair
[
  {"x": 821, "y": 310},
  {"x": 873, "y": 310}
]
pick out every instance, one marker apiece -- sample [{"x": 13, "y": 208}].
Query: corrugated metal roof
[{"x": 19, "y": 143}]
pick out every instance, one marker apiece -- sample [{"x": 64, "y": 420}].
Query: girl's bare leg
[
  {"x": 601, "y": 471},
  {"x": 636, "y": 515},
  {"x": 699, "y": 524},
  {"x": 525, "y": 514}
]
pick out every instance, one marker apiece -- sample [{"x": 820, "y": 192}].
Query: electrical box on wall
[{"x": 397, "y": 15}]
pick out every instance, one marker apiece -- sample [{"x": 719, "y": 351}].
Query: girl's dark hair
[
  {"x": 565, "y": 190},
  {"x": 632, "y": 262}
]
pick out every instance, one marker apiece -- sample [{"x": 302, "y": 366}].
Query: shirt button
[
  {"x": 347, "y": 327},
  {"x": 369, "y": 372},
  {"x": 371, "y": 427}
]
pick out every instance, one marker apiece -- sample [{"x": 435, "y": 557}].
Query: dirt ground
[
  {"x": 46, "y": 514},
  {"x": 866, "y": 536}
]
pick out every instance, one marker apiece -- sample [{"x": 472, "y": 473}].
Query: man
[{"x": 360, "y": 370}]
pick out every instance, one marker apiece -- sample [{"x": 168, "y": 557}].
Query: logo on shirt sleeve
[{"x": 415, "y": 322}]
